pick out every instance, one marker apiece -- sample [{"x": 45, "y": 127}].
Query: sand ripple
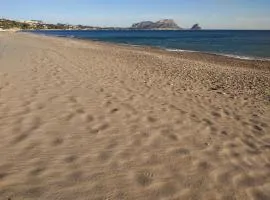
[{"x": 84, "y": 120}]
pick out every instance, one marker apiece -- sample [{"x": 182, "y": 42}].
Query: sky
[{"x": 210, "y": 14}]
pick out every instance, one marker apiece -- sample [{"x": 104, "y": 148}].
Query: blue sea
[{"x": 244, "y": 44}]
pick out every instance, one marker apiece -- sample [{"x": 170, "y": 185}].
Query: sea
[{"x": 242, "y": 44}]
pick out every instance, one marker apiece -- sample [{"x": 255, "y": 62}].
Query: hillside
[
  {"x": 161, "y": 24},
  {"x": 196, "y": 27},
  {"x": 11, "y": 24},
  {"x": 38, "y": 25}
]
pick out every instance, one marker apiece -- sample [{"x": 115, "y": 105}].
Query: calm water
[{"x": 242, "y": 44}]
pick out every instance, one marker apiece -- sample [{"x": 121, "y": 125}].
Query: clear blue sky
[{"x": 210, "y": 14}]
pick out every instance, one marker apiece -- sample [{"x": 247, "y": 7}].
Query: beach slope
[{"x": 89, "y": 120}]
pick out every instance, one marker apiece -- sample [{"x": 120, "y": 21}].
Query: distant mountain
[
  {"x": 143, "y": 25},
  {"x": 161, "y": 24},
  {"x": 196, "y": 27}
]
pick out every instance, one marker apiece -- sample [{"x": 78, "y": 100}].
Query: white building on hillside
[{"x": 33, "y": 22}]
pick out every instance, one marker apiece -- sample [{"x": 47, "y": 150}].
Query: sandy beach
[{"x": 95, "y": 121}]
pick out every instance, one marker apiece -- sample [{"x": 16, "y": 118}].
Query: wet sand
[{"x": 90, "y": 120}]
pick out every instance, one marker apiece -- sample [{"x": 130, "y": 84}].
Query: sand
[{"x": 89, "y": 120}]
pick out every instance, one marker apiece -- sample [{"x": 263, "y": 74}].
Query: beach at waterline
[
  {"x": 242, "y": 44},
  {"x": 92, "y": 120}
]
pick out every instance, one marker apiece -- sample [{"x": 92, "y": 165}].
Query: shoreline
[
  {"x": 196, "y": 55},
  {"x": 251, "y": 58},
  {"x": 92, "y": 120},
  {"x": 234, "y": 56}
]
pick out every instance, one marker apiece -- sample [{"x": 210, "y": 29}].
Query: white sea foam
[
  {"x": 180, "y": 50},
  {"x": 221, "y": 54},
  {"x": 243, "y": 57}
]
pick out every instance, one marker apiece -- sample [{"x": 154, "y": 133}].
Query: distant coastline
[{"x": 166, "y": 24}]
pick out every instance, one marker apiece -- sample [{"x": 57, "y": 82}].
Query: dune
[{"x": 90, "y": 120}]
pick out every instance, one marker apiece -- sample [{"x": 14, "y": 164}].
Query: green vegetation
[
  {"x": 8, "y": 24},
  {"x": 39, "y": 25}
]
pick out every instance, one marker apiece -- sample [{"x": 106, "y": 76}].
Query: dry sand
[{"x": 89, "y": 120}]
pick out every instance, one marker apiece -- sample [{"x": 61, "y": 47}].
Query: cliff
[
  {"x": 196, "y": 27},
  {"x": 161, "y": 24}
]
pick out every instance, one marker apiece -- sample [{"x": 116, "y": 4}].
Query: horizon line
[{"x": 127, "y": 27}]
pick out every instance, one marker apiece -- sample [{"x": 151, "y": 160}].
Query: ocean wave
[
  {"x": 181, "y": 50},
  {"x": 241, "y": 57}
]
